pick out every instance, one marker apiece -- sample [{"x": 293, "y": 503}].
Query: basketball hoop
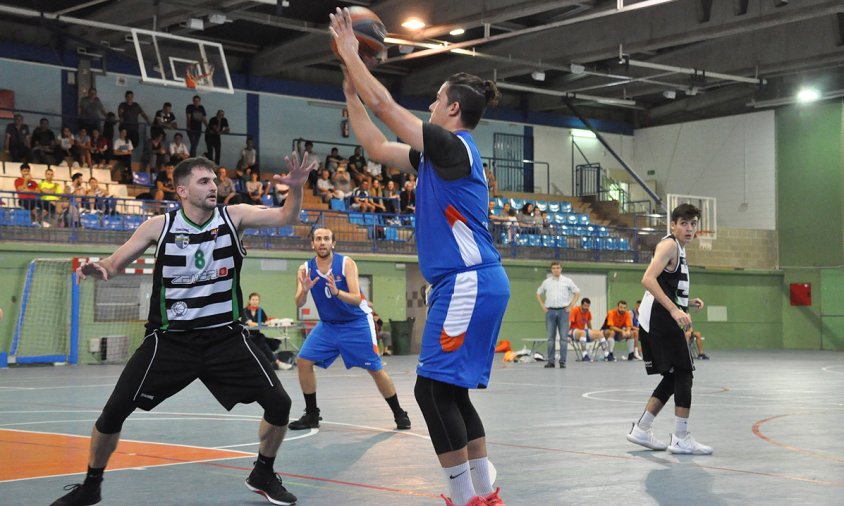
[
  {"x": 705, "y": 239},
  {"x": 199, "y": 74}
]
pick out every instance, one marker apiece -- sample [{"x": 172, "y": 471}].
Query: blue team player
[
  {"x": 346, "y": 328},
  {"x": 470, "y": 289}
]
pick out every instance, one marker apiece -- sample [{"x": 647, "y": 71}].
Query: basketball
[{"x": 370, "y": 32}]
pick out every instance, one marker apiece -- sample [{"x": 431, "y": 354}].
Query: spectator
[
  {"x": 28, "y": 191},
  {"x": 67, "y": 146},
  {"x": 99, "y": 148},
  {"x": 129, "y": 113},
  {"x": 165, "y": 189},
  {"x": 325, "y": 188},
  {"x": 698, "y": 337},
  {"x": 164, "y": 118},
  {"x": 50, "y": 191},
  {"x": 492, "y": 184},
  {"x": 375, "y": 171},
  {"x": 255, "y": 189},
  {"x": 561, "y": 295},
  {"x": 377, "y": 194},
  {"x": 384, "y": 337},
  {"x": 618, "y": 326},
  {"x": 43, "y": 142},
  {"x": 580, "y": 328},
  {"x": 122, "y": 155},
  {"x": 545, "y": 223},
  {"x": 217, "y": 126},
  {"x": 342, "y": 182},
  {"x": 528, "y": 220},
  {"x": 90, "y": 109},
  {"x": 309, "y": 149},
  {"x": 16, "y": 143},
  {"x": 226, "y": 190},
  {"x": 74, "y": 195},
  {"x": 357, "y": 163},
  {"x": 248, "y": 155},
  {"x": 391, "y": 198},
  {"x": 281, "y": 191},
  {"x": 108, "y": 129},
  {"x": 408, "y": 199},
  {"x": 360, "y": 199},
  {"x": 196, "y": 117},
  {"x": 178, "y": 150},
  {"x": 155, "y": 153},
  {"x": 83, "y": 148},
  {"x": 333, "y": 160},
  {"x": 254, "y": 317},
  {"x": 98, "y": 198}
]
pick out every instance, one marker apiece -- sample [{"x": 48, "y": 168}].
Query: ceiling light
[
  {"x": 583, "y": 134},
  {"x": 669, "y": 94},
  {"x": 456, "y": 32},
  {"x": 692, "y": 91},
  {"x": 217, "y": 19},
  {"x": 414, "y": 24},
  {"x": 538, "y": 75},
  {"x": 806, "y": 95},
  {"x": 577, "y": 68},
  {"x": 196, "y": 24},
  {"x": 405, "y": 48}
]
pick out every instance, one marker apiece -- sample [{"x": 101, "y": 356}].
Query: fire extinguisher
[{"x": 344, "y": 128}]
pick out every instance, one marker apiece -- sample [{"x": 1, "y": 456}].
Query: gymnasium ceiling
[{"x": 653, "y": 62}]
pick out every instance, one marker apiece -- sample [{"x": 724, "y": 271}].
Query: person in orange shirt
[
  {"x": 580, "y": 328},
  {"x": 618, "y": 326}
]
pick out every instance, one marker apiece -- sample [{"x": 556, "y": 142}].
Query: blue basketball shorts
[{"x": 354, "y": 340}]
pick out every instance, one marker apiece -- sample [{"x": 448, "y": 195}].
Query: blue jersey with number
[
  {"x": 330, "y": 308},
  {"x": 452, "y": 229}
]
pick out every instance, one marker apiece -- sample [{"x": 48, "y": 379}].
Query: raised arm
[{"x": 145, "y": 236}]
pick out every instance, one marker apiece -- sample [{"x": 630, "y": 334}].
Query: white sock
[
  {"x": 629, "y": 346},
  {"x": 480, "y": 476},
  {"x": 681, "y": 426},
  {"x": 460, "y": 486},
  {"x": 610, "y": 344},
  {"x": 646, "y": 420},
  {"x": 583, "y": 346}
]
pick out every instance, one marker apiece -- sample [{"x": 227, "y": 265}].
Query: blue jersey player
[
  {"x": 469, "y": 288},
  {"x": 346, "y": 328}
]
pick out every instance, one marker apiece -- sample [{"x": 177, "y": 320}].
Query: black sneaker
[
  {"x": 610, "y": 357},
  {"x": 562, "y": 365},
  {"x": 79, "y": 495},
  {"x": 308, "y": 421},
  {"x": 271, "y": 488},
  {"x": 402, "y": 421},
  {"x": 549, "y": 365}
]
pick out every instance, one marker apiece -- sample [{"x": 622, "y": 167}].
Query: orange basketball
[{"x": 370, "y": 32}]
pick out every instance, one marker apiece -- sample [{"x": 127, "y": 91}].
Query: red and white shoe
[
  {"x": 475, "y": 501},
  {"x": 493, "y": 499}
]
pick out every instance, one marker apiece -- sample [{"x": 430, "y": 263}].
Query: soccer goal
[{"x": 61, "y": 321}]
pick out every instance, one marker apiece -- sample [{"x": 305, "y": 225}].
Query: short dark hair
[
  {"x": 128, "y": 92},
  {"x": 195, "y": 97},
  {"x": 322, "y": 228},
  {"x": 185, "y": 168},
  {"x": 685, "y": 212},
  {"x": 75, "y": 176},
  {"x": 556, "y": 263},
  {"x": 621, "y": 302},
  {"x": 585, "y": 300},
  {"x": 638, "y": 302},
  {"x": 473, "y": 94},
  {"x": 168, "y": 104},
  {"x": 254, "y": 294},
  {"x": 24, "y": 165},
  {"x": 48, "y": 170}
]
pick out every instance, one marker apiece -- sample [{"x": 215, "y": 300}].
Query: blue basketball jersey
[
  {"x": 330, "y": 308},
  {"x": 452, "y": 230}
]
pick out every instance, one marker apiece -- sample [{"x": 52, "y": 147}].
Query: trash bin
[{"x": 401, "y": 332}]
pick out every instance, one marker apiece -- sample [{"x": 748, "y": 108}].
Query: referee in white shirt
[{"x": 561, "y": 294}]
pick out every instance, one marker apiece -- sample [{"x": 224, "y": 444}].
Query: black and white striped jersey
[
  {"x": 196, "y": 280},
  {"x": 674, "y": 283}
]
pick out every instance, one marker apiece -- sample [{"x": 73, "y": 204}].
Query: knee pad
[
  {"x": 439, "y": 406},
  {"x": 665, "y": 389},
  {"x": 683, "y": 389},
  {"x": 276, "y": 404}
]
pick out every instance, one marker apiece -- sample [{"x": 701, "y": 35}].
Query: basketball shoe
[
  {"x": 475, "y": 501},
  {"x": 402, "y": 421},
  {"x": 688, "y": 446},
  {"x": 645, "y": 438},
  {"x": 493, "y": 500},
  {"x": 79, "y": 495},
  {"x": 307, "y": 421},
  {"x": 271, "y": 488}
]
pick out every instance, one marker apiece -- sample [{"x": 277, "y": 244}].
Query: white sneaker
[
  {"x": 645, "y": 438},
  {"x": 45, "y": 224},
  {"x": 688, "y": 446}
]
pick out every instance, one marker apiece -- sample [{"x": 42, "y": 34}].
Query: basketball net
[
  {"x": 198, "y": 74},
  {"x": 704, "y": 240}
]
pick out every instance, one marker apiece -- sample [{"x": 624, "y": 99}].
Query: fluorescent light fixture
[
  {"x": 576, "y": 68},
  {"x": 456, "y": 32},
  {"x": 538, "y": 75},
  {"x": 196, "y": 24},
  {"x": 669, "y": 94},
  {"x": 806, "y": 95},
  {"x": 217, "y": 19},
  {"x": 583, "y": 134},
  {"x": 414, "y": 24}
]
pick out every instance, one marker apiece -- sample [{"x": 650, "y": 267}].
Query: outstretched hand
[
  {"x": 305, "y": 279},
  {"x": 343, "y": 33},
  {"x": 91, "y": 269},
  {"x": 297, "y": 171}
]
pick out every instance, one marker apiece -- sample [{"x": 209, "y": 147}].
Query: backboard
[
  {"x": 165, "y": 59},
  {"x": 708, "y": 227}
]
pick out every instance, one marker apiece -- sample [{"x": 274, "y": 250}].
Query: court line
[
  {"x": 829, "y": 369},
  {"x": 702, "y": 466},
  {"x": 758, "y": 432}
]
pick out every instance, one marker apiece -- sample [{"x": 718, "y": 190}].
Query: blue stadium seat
[
  {"x": 356, "y": 219},
  {"x": 534, "y": 240},
  {"x": 499, "y": 202},
  {"x": 521, "y": 239},
  {"x": 565, "y": 207},
  {"x": 391, "y": 234},
  {"x": 504, "y": 238},
  {"x": 541, "y": 205},
  {"x": 372, "y": 219},
  {"x": 267, "y": 200},
  {"x": 559, "y": 218},
  {"x": 254, "y": 231},
  {"x": 286, "y": 231},
  {"x": 591, "y": 231},
  {"x": 610, "y": 243},
  {"x": 563, "y": 230},
  {"x": 548, "y": 241},
  {"x": 562, "y": 241},
  {"x": 603, "y": 232},
  {"x": 517, "y": 203},
  {"x": 553, "y": 207},
  {"x": 141, "y": 179},
  {"x": 303, "y": 216},
  {"x": 623, "y": 244},
  {"x": 90, "y": 220},
  {"x": 572, "y": 219},
  {"x": 583, "y": 219},
  {"x": 113, "y": 222},
  {"x": 134, "y": 221},
  {"x": 338, "y": 204}
]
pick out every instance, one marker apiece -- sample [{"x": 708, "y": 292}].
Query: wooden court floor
[{"x": 555, "y": 436}]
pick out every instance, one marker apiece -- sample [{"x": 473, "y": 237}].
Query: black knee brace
[
  {"x": 439, "y": 406},
  {"x": 474, "y": 425},
  {"x": 114, "y": 414},
  {"x": 276, "y": 404},
  {"x": 665, "y": 389},
  {"x": 683, "y": 389}
]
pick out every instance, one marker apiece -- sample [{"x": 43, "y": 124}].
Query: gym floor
[{"x": 555, "y": 437}]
